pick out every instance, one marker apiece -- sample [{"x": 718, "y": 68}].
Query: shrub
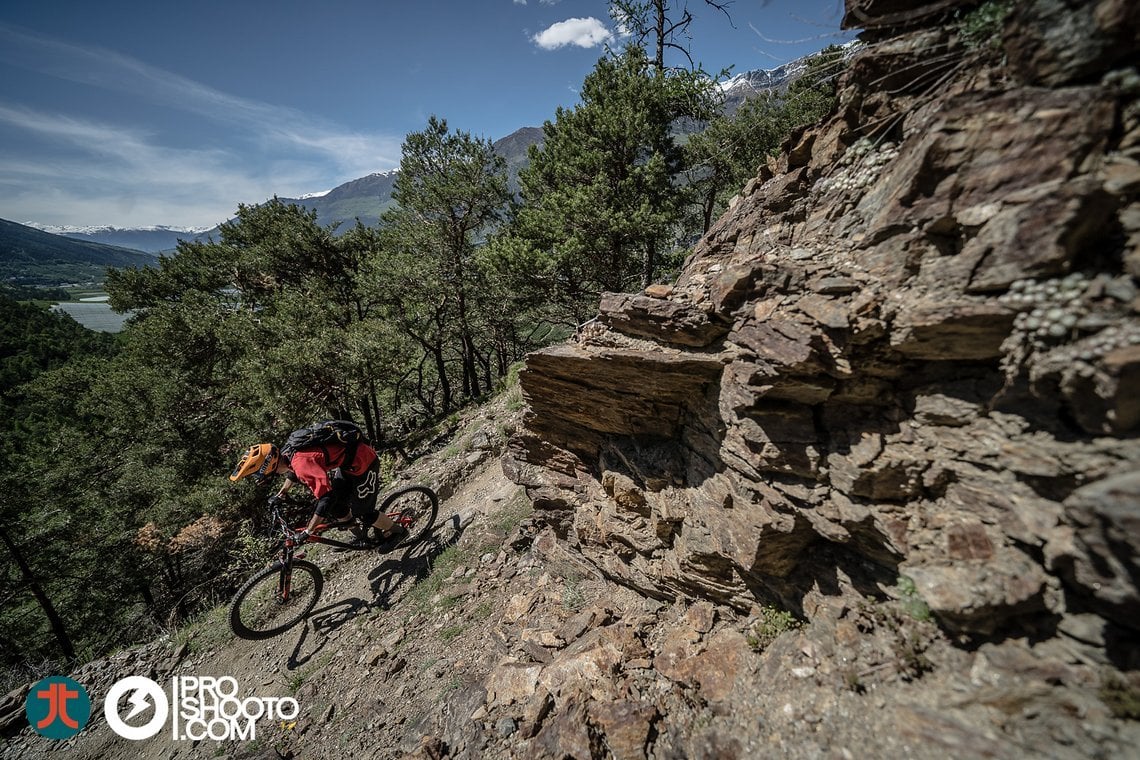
[
  {"x": 770, "y": 625},
  {"x": 912, "y": 604},
  {"x": 980, "y": 29}
]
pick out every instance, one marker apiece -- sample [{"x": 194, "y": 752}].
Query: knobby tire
[
  {"x": 418, "y": 502},
  {"x": 256, "y": 611}
]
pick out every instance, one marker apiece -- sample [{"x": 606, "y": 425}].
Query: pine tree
[
  {"x": 598, "y": 201},
  {"x": 451, "y": 189},
  {"x": 659, "y": 22}
]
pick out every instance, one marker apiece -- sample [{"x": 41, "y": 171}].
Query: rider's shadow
[
  {"x": 392, "y": 574},
  {"x": 415, "y": 564},
  {"x": 323, "y": 621}
]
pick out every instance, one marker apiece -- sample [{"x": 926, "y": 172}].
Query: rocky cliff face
[{"x": 906, "y": 361}]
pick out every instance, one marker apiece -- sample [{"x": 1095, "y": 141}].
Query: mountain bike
[{"x": 283, "y": 593}]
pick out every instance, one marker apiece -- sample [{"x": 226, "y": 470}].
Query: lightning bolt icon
[{"x": 139, "y": 702}]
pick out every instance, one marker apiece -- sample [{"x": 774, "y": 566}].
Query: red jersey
[{"x": 312, "y": 467}]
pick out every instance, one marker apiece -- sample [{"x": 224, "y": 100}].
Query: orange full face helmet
[{"x": 260, "y": 462}]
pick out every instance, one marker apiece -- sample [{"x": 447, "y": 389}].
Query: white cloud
[
  {"x": 583, "y": 32},
  {"x": 520, "y": 2},
  {"x": 623, "y": 24}
]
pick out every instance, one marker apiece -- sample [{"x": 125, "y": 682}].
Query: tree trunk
[
  {"x": 708, "y": 206},
  {"x": 649, "y": 265},
  {"x": 366, "y": 411},
  {"x": 659, "y": 58},
  {"x": 470, "y": 371},
  {"x": 370, "y": 408},
  {"x": 148, "y": 599},
  {"x": 488, "y": 379},
  {"x": 445, "y": 385},
  {"x": 421, "y": 393},
  {"x": 53, "y": 617}
]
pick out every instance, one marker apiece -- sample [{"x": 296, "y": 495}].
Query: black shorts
[{"x": 356, "y": 494}]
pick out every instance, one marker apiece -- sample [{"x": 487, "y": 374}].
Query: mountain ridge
[
  {"x": 30, "y": 256},
  {"x": 365, "y": 198}
]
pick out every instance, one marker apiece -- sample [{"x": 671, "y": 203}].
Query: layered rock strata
[{"x": 909, "y": 350}]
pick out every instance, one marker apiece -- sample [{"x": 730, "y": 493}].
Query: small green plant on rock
[
  {"x": 451, "y": 633},
  {"x": 387, "y": 469},
  {"x": 902, "y": 638},
  {"x": 451, "y": 451},
  {"x": 912, "y": 604},
  {"x": 298, "y": 677},
  {"x": 448, "y": 602},
  {"x": 515, "y": 400},
  {"x": 853, "y": 681},
  {"x": 768, "y": 626},
  {"x": 1122, "y": 698},
  {"x": 208, "y": 630},
  {"x": 452, "y": 684},
  {"x": 512, "y": 514},
  {"x": 420, "y": 597},
  {"x": 247, "y": 552},
  {"x": 980, "y": 29},
  {"x": 573, "y": 597}
]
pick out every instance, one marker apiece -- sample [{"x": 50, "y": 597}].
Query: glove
[
  {"x": 302, "y": 537},
  {"x": 275, "y": 502}
]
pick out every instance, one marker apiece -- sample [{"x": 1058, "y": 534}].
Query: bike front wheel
[
  {"x": 276, "y": 599},
  {"x": 414, "y": 507}
]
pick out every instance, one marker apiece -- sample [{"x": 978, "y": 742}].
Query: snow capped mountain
[
  {"x": 739, "y": 88},
  {"x": 153, "y": 239},
  {"x": 761, "y": 80},
  {"x": 56, "y": 229}
]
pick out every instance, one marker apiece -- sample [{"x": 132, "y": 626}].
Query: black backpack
[{"x": 324, "y": 433}]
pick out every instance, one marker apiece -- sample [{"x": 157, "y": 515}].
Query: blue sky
[{"x": 138, "y": 113}]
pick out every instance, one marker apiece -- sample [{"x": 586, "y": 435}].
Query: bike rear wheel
[
  {"x": 275, "y": 600},
  {"x": 414, "y": 507}
]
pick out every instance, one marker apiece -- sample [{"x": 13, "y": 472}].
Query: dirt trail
[{"x": 317, "y": 663}]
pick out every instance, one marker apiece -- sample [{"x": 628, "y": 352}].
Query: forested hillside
[
  {"x": 34, "y": 341},
  {"x": 278, "y": 321},
  {"x": 31, "y": 257}
]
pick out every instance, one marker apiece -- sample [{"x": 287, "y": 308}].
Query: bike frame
[
  {"x": 416, "y": 519},
  {"x": 315, "y": 536},
  {"x": 289, "y": 548}
]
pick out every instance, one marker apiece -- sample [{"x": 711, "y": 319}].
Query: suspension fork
[{"x": 285, "y": 577}]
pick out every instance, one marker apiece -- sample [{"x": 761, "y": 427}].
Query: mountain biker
[{"x": 339, "y": 488}]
